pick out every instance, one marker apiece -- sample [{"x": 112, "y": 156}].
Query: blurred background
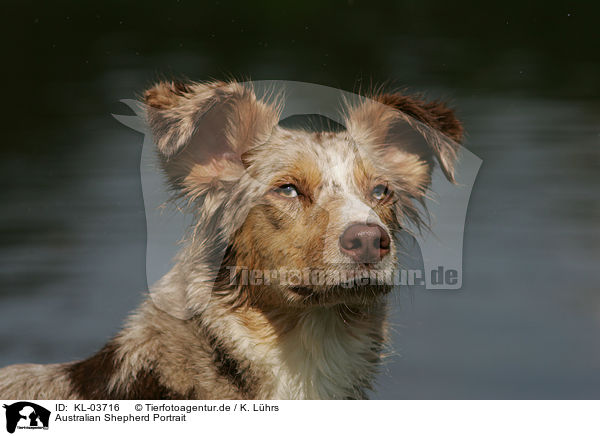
[{"x": 524, "y": 77}]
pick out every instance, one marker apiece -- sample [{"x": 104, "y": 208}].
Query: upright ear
[
  {"x": 202, "y": 129},
  {"x": 390, "y": 122}
]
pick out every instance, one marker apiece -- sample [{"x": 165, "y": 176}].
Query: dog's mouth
[
  {"x": 302, "y": 291},
  {"x": 316, "y": 296},
  {"x": 341, "y": 290},
  {"x": 339, "y": 283}
]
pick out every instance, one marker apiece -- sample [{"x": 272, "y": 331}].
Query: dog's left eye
[
  {"x": 289, "y": 191},
  {"x": 379, "y": 192}
]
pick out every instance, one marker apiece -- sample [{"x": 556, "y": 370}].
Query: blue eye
[
  {"x": 289, "y": 191},
  {"x": 379, "y": 192}
]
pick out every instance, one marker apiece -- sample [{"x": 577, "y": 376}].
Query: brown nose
[{"x": 365, "y": 243}]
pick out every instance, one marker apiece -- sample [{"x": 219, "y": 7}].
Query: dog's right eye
[{"x": 289, "y": 191}]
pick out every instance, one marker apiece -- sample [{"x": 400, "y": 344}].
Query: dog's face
[
  {"x": 327, "y": 211},
  {"x": 311, "y": 216}
]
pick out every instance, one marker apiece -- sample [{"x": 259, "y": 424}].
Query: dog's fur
[{"x": 201, "y": 336}]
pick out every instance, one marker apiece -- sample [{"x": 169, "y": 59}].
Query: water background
[{"x": 525, "y": 81}]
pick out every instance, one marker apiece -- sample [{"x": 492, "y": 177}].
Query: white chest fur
[{"x": 322, "y": 357}]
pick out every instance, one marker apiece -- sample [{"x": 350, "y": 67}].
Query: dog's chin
[
  {"x": 355, "y": 284},
  {"x": 342, "y": 293}
]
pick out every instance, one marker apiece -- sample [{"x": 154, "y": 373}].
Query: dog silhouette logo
[{"x": 26, "y": 415}]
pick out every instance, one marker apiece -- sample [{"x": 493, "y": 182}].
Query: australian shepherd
[{"x": 267, "y": 297}]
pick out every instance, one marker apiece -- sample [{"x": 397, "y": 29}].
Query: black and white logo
[{"x": 26, "y": 415}]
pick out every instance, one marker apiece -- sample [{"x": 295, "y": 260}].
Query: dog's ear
[
  {"x": 202, "y": 129},
  {"x": 390, "y": 122}
]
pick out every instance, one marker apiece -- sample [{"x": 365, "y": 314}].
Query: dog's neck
[{"x": 313, "y": 353}]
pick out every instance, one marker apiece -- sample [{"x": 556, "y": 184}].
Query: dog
[{"x": 271, "y": 198}]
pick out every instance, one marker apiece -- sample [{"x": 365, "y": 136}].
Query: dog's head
[{"x": 308, "y": 212}]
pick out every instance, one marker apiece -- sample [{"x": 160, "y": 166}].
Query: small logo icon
[{"x": 26, "y": 415}]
